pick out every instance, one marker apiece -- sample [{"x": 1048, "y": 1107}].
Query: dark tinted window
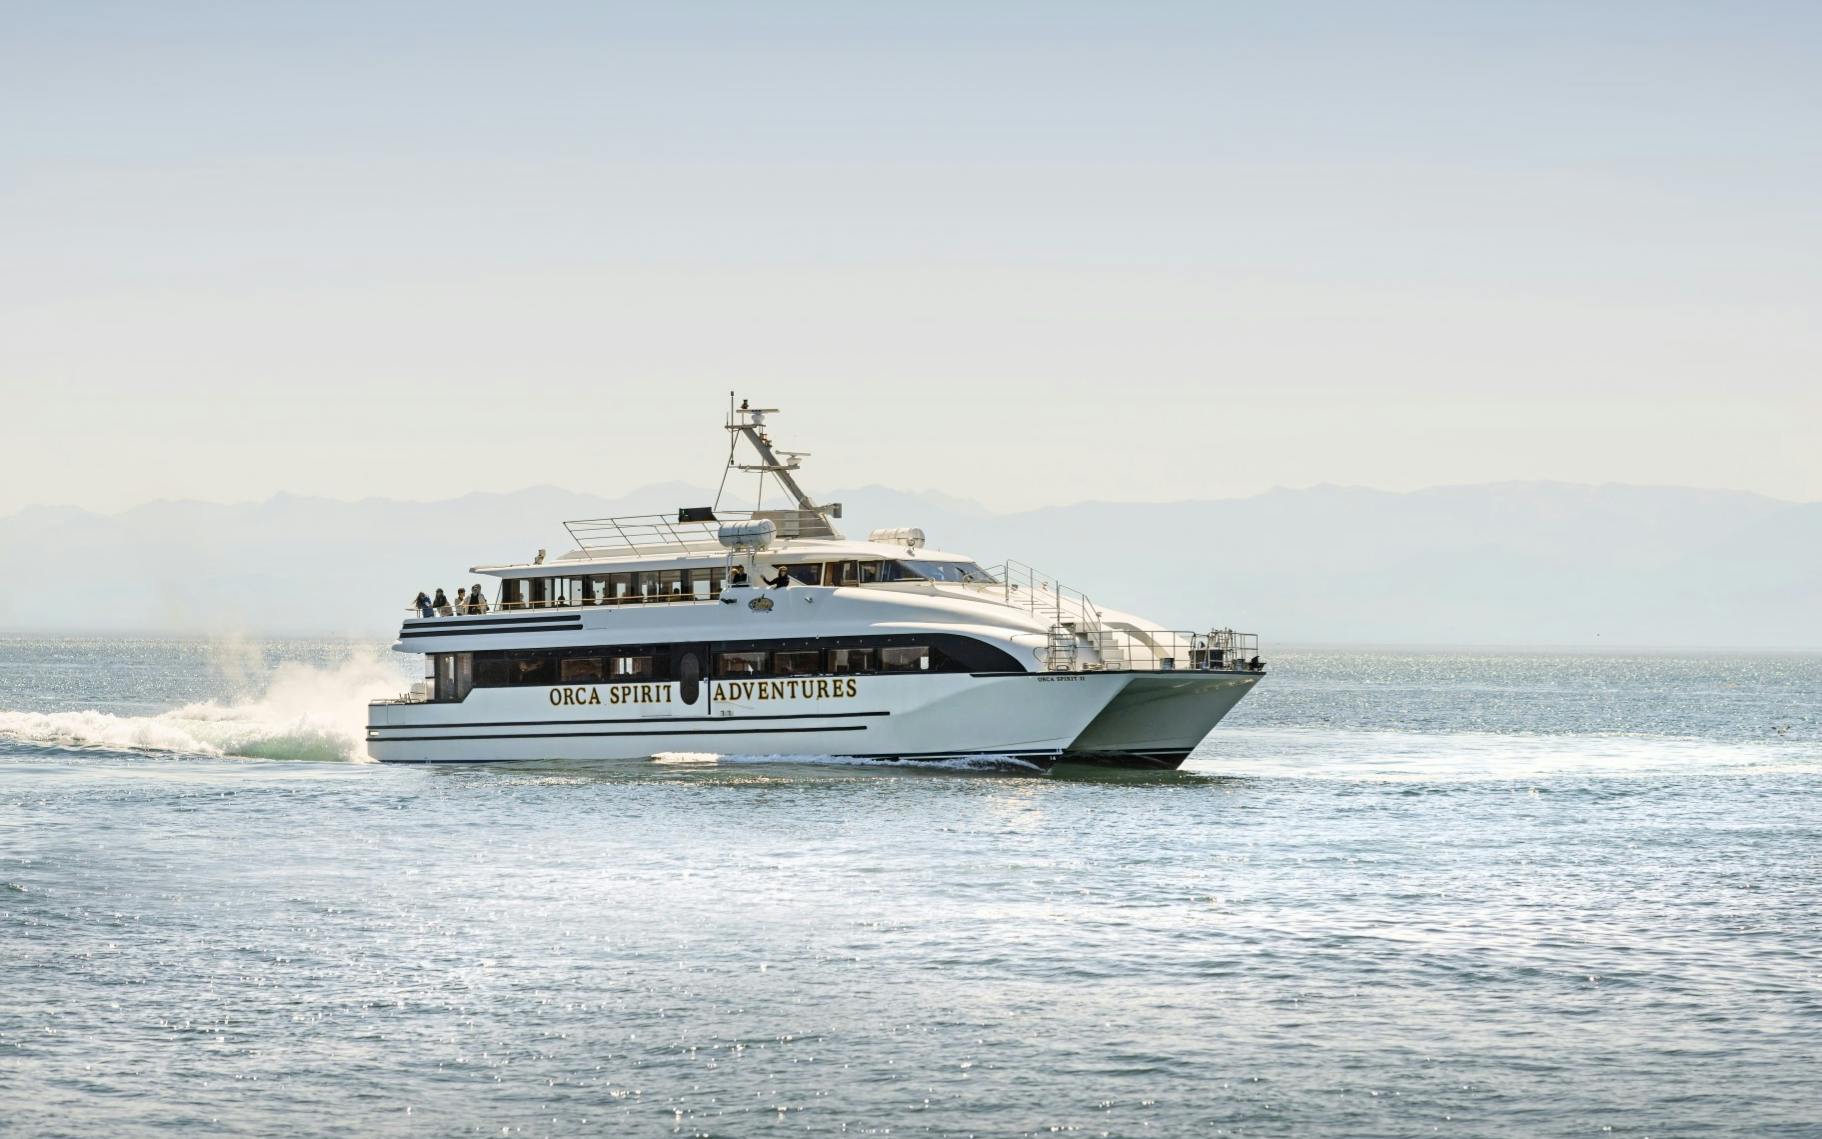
[
  {"x": 904, "y": 658},
  {"x": 491, "y": 671},
  {"x": 850, "y": 660},
  {"x": 533, "y": 668},
  {"x": 583, "y": 670},
  {"x": 740, "y": 664},
  {"x": 810, "y": 574},
  {"x": 805, "y": 662}
]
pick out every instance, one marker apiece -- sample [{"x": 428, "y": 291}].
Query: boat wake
[{"x": 302, "y": 713}]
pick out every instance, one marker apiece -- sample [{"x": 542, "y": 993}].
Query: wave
[{"x": 304, "y": 713}]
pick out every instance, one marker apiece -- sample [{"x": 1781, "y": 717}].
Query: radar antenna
[{"x": 748, "y": 422}]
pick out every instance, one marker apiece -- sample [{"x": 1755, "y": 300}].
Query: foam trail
[{"x": 304, "y": 712}]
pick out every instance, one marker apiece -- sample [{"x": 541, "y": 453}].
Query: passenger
[
  {"x": 442, "y": 604},
  {"x": 477, "y": 601},
  {"x": 425, "y": 608},
  {"x": 738, "y": 577},
  {"x": 461, "y": 601},
  {"x": 783, "y": 579}
]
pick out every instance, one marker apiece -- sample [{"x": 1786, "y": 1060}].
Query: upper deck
[{"x": 700, "y": 554}]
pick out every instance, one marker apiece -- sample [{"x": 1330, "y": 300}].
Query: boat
[{"x": 768, "y": 632}]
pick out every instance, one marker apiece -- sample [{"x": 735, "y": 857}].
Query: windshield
[{"x": 949, "y": 571}]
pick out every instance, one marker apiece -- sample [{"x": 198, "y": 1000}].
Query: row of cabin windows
[
  {"x": 456, "y": 673},
  {"x": 707, "y": 584},
  {"x": 611, "y": 589},
  {"x": 823, "y": 662},
  {"x": 508, "y": 669}
]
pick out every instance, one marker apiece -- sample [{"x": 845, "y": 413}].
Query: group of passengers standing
[
  {"x": 466, "y": 601},
  {"x": 473, "y": 601}
]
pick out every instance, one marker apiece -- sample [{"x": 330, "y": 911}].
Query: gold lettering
[
  {"x": 556, "y": 697},
  {"x": 594, "y": 696},
  {"x": 853, "y": 687}
]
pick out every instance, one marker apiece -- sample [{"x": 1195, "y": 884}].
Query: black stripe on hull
[
  {"x": 414, "y": 634},
  {"x": 487, "y": 622}
]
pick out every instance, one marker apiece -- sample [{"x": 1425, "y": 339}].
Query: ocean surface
[{"x": 1487, "y": 894}]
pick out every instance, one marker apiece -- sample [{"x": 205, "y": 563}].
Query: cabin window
[
  {"x": 804, "y": 662},
  {"x": 870, "y": 572},
  {"x": 533, "y": 668},
  {"x": 904, "y": 658},
  {"x": 843, "y": 573},
  {"x": 740, "y": 664},
  {"x": 705, "y": 585},
  {"x": 512, "y": 594},
  {"x": 582, "y": 589},
  {"x": 453, "y": 676},
  {"x": 667, "y": 584},
  {"x": 539, "y": 592},
  {"x": 491, "y": 671},
  {"x": 633, "y": 668},
  {"x": 842, "y": 661},
  {"x": 583, "y": 670},
  {"x": 809, "y": 573}
]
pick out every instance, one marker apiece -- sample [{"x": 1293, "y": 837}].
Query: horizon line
[{"x": 277, "y": 496}]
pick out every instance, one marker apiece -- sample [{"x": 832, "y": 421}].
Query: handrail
[
  {"x": 651, "y": 533},
  {"x": 1039, "y": 593}
]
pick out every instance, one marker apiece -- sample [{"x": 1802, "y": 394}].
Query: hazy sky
[{"x": 1025, "y": 253}]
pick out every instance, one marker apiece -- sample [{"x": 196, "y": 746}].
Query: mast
[{"x": 749, "y": 422}]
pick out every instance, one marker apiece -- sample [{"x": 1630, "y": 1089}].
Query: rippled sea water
[{"x": 1395, "y": 894}]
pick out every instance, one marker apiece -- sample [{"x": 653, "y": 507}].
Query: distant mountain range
[{"x": 1501, "y": 564}]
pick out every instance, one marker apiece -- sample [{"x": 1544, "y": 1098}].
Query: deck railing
[
  {"x": 1156, "y": 650},
  {"x": 664, "y": 533}
]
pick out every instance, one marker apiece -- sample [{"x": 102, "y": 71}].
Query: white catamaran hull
[{"x": 1036, "y": 718}]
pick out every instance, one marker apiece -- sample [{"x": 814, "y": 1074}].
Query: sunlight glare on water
[{"x": 1470, "y": 894}]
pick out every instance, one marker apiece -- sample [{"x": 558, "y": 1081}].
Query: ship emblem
[{"x": 760, "y": 605}]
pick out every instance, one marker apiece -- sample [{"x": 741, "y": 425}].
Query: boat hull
[
  {"x": 1030, "y": 718},
  {"x": 1158, "y": 718}
]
